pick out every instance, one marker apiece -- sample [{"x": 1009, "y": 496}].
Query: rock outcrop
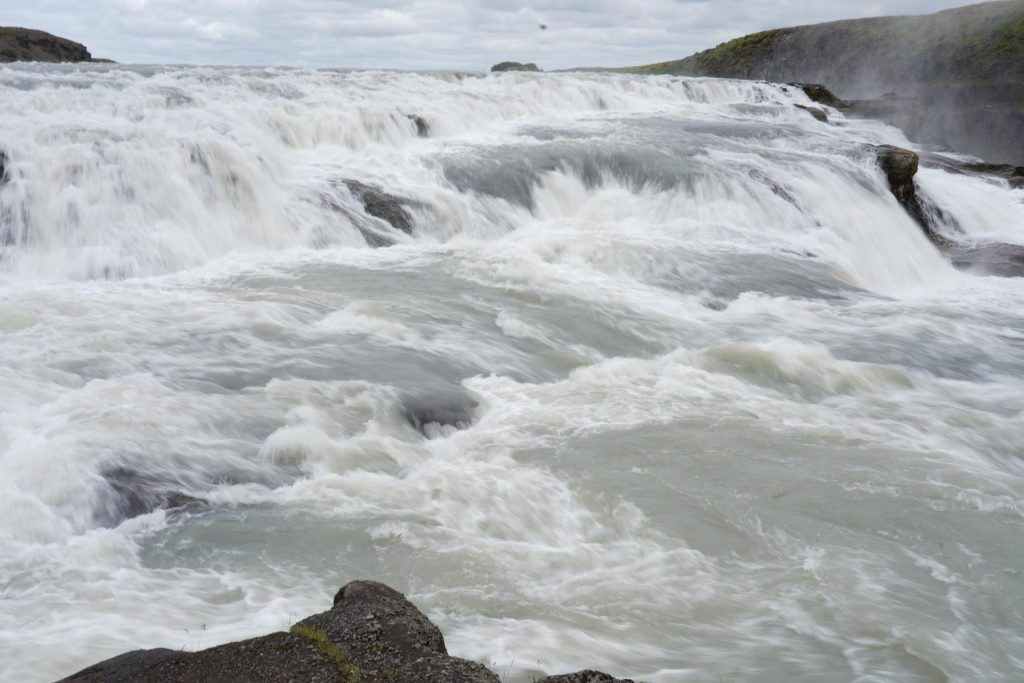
[
  {"x": 372, "y": 634},
  {"x": 28, "y": 45}
]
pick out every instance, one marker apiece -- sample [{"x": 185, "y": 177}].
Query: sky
[{"x": 424, "y": 34}]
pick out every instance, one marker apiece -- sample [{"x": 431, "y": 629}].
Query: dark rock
[
  {"x": 819, "y": 93},
  {"x": 273, "y": 658},
  {"x": 136, "y": 494},
  {"x": 439, "y": 408},
  {"x": 28, "y": 45},
  {"x": 588, "y": 676},
  {"x": 515, "y": 66},
  {"x": 900, "y": 166},
  {"x": 372, "y": 634},
  {"x": 815, "y": 112},
  {"x": 422, "y": 127},
  {"x": 380, "y": 204}
]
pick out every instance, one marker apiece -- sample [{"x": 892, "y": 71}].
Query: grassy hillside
[
  {"x": 975, "y": 44},
  {"x": 962, "y": 71}
]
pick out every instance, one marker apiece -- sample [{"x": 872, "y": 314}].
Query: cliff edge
[{"x": 29, "y": 45}]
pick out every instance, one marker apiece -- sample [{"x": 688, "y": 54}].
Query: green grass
[
  {"x": 346, "y": 670},
  {"x": 974, "y": 44}
]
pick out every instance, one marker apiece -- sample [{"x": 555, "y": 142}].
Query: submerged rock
[
  {"x": 816, "y": 112},
  {"x": 380, "y": 204},
  {"x": 422, "y": 127},
  {"x": 428, "y": 412},
  {"x": 136, "y": 494}
]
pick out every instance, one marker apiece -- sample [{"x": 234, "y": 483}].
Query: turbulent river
[{"x": 704, "y": 403}]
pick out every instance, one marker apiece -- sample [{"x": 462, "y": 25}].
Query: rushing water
[{"x": 733, "y": 417}]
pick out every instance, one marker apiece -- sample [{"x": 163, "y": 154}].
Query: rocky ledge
[
  {"x": 371, "y": 634},
  {"x": 29, "y": 45}
]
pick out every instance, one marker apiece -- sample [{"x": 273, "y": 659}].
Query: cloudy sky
[{"x": 424, "y": 34}]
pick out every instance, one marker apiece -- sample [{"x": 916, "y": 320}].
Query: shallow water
[{"x": 733, "y": 416}]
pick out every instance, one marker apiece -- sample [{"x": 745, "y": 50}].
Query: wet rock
[
  {"x": 817, "y": 113},
  {"x": 136, "y": 494},
  {"x": 900, "y": 166},
  {"x": 429, "y": 412},
  {"x": 372, "y": 634},
  {"x": 588, "y": 676},
  {"x": 819, "y": 93},
  {"x": 380, "y": 204},
  {"x": 422, "y": 127}
]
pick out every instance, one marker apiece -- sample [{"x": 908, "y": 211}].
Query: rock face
[
  {"x": 28, "y": 45},
  {"x": 515, "y": 66},
  {"x": 372, "y": 634},
  {"x": 960, "y": 72}
]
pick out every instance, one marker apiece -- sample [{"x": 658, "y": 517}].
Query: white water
[{"x": 736, "y": 418}]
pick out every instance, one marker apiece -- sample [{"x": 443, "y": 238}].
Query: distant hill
[
  {"x": 964, "y": 66},
  {"x": 515, "y": 66},
  {"x": 29, "y": 45}
]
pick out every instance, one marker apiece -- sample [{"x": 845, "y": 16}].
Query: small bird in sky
[{"x": 543, "y": 27}]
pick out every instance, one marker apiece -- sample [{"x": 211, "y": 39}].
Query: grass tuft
[{"x": 348, "y": 672}]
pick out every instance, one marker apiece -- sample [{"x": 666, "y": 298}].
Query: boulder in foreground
[{"x": 372, "y": 634}]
